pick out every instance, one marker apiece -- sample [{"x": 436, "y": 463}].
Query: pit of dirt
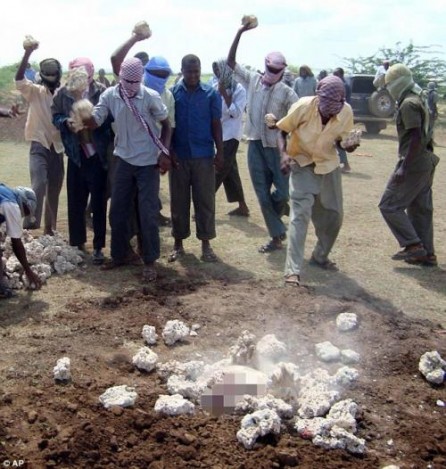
[{"x": 47, "y": 424}]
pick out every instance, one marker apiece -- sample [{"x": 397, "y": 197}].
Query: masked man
[
  {"x": 406, "y": 204},
  {"x": 316, "y": 125},
  {"x": 266, "y": 94}
]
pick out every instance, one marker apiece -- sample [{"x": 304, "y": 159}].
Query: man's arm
[
  {"x": 284, "y": 157},
  {"x": 414, "y": 148},
  {"x": 13, "y": 111},
  {"x": 165, "y": 160},
  {"x": 20, "y": 253},
  {"x": 29, "y": 49},
  {"x": 217, "y": 135},
  {"x": 120, "y": 53},
  {"x": 234, "y": 46}
]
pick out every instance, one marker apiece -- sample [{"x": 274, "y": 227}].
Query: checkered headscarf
[
  {"x": 331, "y": 94},
  {"x": 130, "y": 77}
]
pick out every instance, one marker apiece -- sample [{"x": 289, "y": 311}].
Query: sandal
[
  {"x": 149, "y": 273},
  {"x": 238, "y": 212},
  {"x": 209, "y": 255},
  {"x": 175, "y": 254},
  {"x": 327, "y": 265},
  {"x": 270, "y": 247},
  {"x": 292, "y": 280}
]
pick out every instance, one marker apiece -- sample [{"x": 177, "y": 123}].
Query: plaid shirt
[{"x": 276, "y": 99}]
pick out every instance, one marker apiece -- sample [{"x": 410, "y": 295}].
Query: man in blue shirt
[
  {"x": 15, "y": 204},
  {"x": 198, "y": 129}
]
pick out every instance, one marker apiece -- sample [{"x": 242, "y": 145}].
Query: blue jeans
[
  {"x": 145, "y": 180},
  {"x": 264, "y": 168}
]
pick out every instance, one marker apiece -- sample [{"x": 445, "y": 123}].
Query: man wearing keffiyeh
[
  {"x": 266, "y": 94},
  {"x": 315, "y": 124},
  {"x": 141, "y": 150},
  {"x": 406, "y": 204}
]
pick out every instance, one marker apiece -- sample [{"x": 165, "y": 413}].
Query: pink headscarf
[
  {"x": 130, "y": 76},
  {"x": 83, "y": 62},
  {"x": 331, "y": 94},
  {"x": 275, "y": 60}
]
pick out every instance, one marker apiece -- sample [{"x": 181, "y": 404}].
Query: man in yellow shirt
[{"x": 316, "y": 124}]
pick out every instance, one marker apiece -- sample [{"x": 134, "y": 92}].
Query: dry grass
[{"x": 362, "y": 252}]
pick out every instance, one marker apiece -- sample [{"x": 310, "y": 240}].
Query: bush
[{"x": 7, "y": 74}]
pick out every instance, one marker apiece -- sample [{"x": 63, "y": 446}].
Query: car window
[{"x": 362, "y": 85}]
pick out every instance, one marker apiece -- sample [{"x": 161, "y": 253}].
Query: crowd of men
[{"x": 139, "y": 129}]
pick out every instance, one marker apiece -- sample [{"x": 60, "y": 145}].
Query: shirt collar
[{"x": 199, "y": 86}]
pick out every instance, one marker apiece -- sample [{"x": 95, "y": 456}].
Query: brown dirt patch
[{"x": 47, "y": 424}]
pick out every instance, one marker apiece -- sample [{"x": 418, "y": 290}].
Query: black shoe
[
  {"x": 164, "y": 221},
  {"x": 98, "y": 257}
]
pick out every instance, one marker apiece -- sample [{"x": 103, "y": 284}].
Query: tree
[{"x": 423, "y": 61}]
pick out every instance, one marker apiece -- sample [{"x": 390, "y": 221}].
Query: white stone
[
  {"x": 122, "y": 396},
  {"x": 327, "y": 352},
  {"x": 62, "y": 371},
  {"x": 242, "y": 352},
  {"x": 432, "y": 367},
  {"x": 185, "y": 387},
  {"x": 189, "y": 370},
  {"x": 392, "y": 466},
  {"x": 317, "y": 394},
  {"x": 346, "y": 322},
  {"x": 344, "y": 414},
  {"x": 441, "y": 403},
  {"x": 253, "y": 403},
  {"x": 339, "y": 438},
  {"x": 175, "y": 331},
  {"x": 259, "y": 423},
  {"x": 349, "y": 357},
  {"x": 346, "y": 376},
  {"x": 193, "y": 334},
  {"x": 195, "y": 327},
  {"x": 174, "y": 405},
  {"x": 149, "y": 334},
  {"x": 145, "y": 359},
  {"x": 270, "y": 349}
]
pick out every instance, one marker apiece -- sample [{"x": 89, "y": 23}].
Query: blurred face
[
  {"x": 216, "y": 70},
  {"x": 191, "y": 74}
]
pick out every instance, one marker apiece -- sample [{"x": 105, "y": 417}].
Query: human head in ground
[{"x": 191, "y": 70}]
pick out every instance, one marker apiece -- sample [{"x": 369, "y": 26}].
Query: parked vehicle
[{"x": 374, "y": 108}]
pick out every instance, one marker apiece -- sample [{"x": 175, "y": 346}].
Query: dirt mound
[{"x": 51, "y": 425}]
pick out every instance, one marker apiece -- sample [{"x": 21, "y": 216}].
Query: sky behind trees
[{"x": 318, "y": 33}]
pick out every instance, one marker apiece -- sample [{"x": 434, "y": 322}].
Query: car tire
[
  {"x": 372, "y": 127},
  {"x": 381, "y": 104}
]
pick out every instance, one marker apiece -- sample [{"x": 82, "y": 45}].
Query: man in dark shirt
[
  {"x": 197, "y": 131},
  {"x": 406, "y": 204}
]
